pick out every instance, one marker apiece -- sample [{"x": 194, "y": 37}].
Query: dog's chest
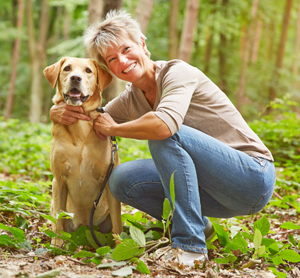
[{"x": 81, "y": 159}]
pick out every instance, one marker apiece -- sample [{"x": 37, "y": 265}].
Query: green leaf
[
  {"x": 49, "y": 217},
  {"x": 123, "y": 272},
  {"x": 278, "y": 273},
  {"x": 277, "y": 260},
  {"x": 99, "y": 236},
  {"x": 261, "y": 250},
  {"x": 103, "y": 250},
  {"x": 84, "y": 254},
  {"x": 273, "y": 248},
  {"x": 257, "y": 239},
  {"x": 172, "y": 190},
  {"x": 21, "y": 222},
  {"x": 292, "y": 240},
  {"x": 49, "y": 274},
  {"x": 263, "y": 225},
  {"x": 290, "y": 255},
  {"x": 137, "y": 235},
  {"x": 167, "y": 209},
  {"x": 126, "y": 250},
  {"x": 65, "y": 215},
  {"x": 222, "y": 235},
  {"x": 141, "y": 267},
  {"x": 289, "y": 226}
]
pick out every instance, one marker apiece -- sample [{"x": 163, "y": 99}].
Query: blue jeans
[{"x": 211, "y": 179}]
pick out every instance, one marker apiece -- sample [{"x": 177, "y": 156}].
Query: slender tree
[
  {"x": 112, "y": 90},
  {"x": 246, "y": 56},
  {"x": 190, "y": 21},
  {"x": 143, "y": 13},
  {"x": 297, "y": 49},
  {"x": 280, "y": 53},
  {"x": 256, "y": 43},
  {"x": 173, "y": 29},
  {"x": 95, "y": 9},
  {"x": 222, "y": 55},
  {"x": 15, "y": 58},
  {"x": 37, "y": 58}
]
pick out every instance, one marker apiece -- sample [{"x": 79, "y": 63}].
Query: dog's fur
[{"x": 79, "y": 158}]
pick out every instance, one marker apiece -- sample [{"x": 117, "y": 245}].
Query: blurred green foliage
[{"x": 214, "y": 18}]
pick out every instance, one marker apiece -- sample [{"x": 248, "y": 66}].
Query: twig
[
  {"x": 279, "y": 197},
  {"x": 76, "y": 261}
]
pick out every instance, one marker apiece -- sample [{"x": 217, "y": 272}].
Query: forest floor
[{"x": 24, "y": 264}]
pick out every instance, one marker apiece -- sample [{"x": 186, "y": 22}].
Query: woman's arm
[
  {"x": 67, "y": 114},
  {"x": 147, "y": 127}
]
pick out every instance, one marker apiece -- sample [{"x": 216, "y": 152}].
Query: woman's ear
[{"x": 144, "y": 46}]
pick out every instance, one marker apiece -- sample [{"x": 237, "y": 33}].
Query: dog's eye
[
  {"x": 88, "y": 70},
  {"x": 67, "y": 68}
]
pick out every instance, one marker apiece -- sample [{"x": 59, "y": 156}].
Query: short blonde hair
[{"x": 116, "y": 25}]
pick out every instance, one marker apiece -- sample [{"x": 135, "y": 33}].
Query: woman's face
[{"x": 127, "y": 60}]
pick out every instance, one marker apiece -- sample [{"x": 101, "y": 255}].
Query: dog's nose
[{"x": 75, "y": 78}]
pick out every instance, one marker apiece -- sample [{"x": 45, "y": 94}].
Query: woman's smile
[{"x": 128, "y": 69}]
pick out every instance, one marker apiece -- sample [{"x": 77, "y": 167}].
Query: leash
[{"x": 114, "y": 149}]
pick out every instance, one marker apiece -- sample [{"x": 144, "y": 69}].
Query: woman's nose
[{"x": 123, "y": 59}]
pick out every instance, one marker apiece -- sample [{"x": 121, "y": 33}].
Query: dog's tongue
[{"x": 74, "y": 93}]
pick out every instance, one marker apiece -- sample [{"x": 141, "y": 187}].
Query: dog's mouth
[{"x": 74, "y": 97}]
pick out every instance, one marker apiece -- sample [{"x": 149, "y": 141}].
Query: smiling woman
[{"x": 194, "y": 131}]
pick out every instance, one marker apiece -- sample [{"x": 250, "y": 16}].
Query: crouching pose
[{"x": 221, "y": 168}]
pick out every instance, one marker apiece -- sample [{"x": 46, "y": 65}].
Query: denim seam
[
  {"x": 132, "y": 199},
  {"x": 229, "y": 159},
  {"x": 188, "y": 193},
  {"x": 190, "y": 248},
  {"x": 263, "y": 196}
]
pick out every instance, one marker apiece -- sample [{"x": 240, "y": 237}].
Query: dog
[{"x": 79, "y": 159}]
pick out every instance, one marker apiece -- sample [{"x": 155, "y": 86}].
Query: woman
[{"x": 221, "y": 168}]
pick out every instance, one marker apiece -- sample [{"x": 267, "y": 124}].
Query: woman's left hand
[{"x": 103, "y": 124}]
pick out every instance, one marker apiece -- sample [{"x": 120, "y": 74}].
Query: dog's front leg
[
  {"x": 59, "y": 195},
  {"x": 115, "y": 212}
]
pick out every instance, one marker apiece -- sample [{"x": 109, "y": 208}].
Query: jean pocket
[{"x": 262, "y": 201}]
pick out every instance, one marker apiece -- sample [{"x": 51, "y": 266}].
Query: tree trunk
[
  {"x": 190, "y": 21},
  {"x": 143, "y": 13},
  {"x": 173, "y": 29},
  {"x": 37, "y": 59},
  {"x": 95, "y": 14},
  {"x": 111, "y": 91},
  {"x": 208, "y": 49},
  {"x": 256, "y": 43},
  {"x": 297, "y": 49},
  {"x": 15, "y": 58},
  {"x": 111, "y": 5},
  {"x": 245, "y": 58},
  {"x": 54, "y": 57},
  {"x": 280, "y": 53},
  {"x": 222, "y": 55},
  {"x": 66, "y": 29}
]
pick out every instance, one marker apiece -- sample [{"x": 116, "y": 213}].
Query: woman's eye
[
  {"x": 88, "y": 70},
  {"x": 67, "y": 68},
  {"x": 110, "y": 60},
  {"x": 126, "y": 48}
]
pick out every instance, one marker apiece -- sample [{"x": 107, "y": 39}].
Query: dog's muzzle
[{"x": 75, "y": 97}]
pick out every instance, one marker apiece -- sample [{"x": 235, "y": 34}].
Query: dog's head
[{"x": 79, "y": 81}]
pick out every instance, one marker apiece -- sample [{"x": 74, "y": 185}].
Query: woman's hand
[
  {"x": 67, "y": 114},
  {"x": 103, "y": 124}
]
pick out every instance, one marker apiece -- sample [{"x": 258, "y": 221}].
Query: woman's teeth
[{"x": 129, "y": 68}]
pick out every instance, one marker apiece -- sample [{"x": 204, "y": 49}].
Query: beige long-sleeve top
[{"x": 184, "y": 95}]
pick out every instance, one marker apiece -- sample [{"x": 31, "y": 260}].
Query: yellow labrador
[{"x": 79, "y": 158}]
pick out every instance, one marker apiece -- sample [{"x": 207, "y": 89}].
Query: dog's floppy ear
[
  {"x": 104, "y": 78},
  {"x": 52, "y": 72}
]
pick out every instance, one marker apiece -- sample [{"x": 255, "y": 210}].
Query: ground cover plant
[{"x": 263, "y": 245}]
